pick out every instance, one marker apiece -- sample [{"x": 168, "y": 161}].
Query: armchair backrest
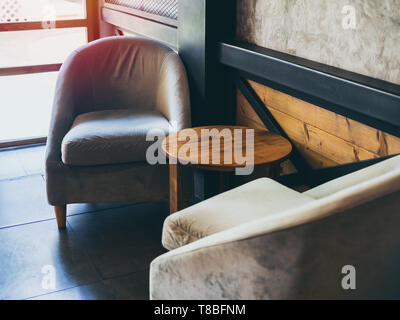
[
  {"x": 372, "y": 188},
  {"x": 371, "y": 173},
  {"x": 119, "y": 73}
]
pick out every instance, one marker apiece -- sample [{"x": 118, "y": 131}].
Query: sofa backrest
[
  {"x": 388, "y": 167},
  {"x": 368, "y": 188}
]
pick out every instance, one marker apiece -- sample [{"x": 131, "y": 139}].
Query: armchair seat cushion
[
  {"x": 110, "y": 137},
  {"x": 246, "y": 203}
]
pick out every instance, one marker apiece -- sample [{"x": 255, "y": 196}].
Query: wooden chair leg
[{"x": 61, "y": 216}]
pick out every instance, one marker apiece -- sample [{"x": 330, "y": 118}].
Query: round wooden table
[{"x": 219, "y": 148}]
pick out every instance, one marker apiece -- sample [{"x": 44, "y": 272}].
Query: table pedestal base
[{"x": 176, "y": 202}]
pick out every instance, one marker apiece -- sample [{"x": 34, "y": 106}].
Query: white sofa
[{"x": 266, "y": 241}]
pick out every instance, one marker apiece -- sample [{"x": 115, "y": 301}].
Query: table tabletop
[{"x": 197, "y": 147}]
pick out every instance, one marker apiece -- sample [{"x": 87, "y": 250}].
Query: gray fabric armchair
[
  {"x": 109, "y": 94},
  {"x": 265, "y": 241}
]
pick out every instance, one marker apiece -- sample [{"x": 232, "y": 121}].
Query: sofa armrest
[
  {"x": 71, "y": 92},
  {"x": 298, "y": 261},
  {"x": 173, "y": 99}
]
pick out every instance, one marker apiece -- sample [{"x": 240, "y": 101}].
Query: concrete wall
[{"x": 321, "y": 31}]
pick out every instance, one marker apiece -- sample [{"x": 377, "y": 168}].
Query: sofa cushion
[
  {"x": 246, "y": 203},
  {"x": 110, "y": 137}
]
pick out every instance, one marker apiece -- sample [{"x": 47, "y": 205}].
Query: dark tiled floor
[
  {"x": 105, "y": 252},
  {"x": 22, "y": 201},
  {"x": 132, "y": 287}
]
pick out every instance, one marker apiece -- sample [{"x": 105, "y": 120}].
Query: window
[
  {"x": 13, "y": 11},
  {"x": 39, "y": 47},
  {"x": 36, "y": 36}
]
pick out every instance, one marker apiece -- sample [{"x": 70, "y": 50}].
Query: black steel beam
[
  {"x": 370, "y": 101},
  {"x": 270, "y": 123},
  {"x": 202, "y": 24}
]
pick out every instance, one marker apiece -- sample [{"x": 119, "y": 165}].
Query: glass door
[{"x": 36, "y": 36}]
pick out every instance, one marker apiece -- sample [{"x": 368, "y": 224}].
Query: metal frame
[
  {"x": 142, "y": 14},
  {"x": 370, "y": 101},
  {"x": 202, "y": 24},
  {"x": 269, "y": 121},
  {"x": 141, "y": 26}
]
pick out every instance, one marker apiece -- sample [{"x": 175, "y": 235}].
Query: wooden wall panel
[
  {"x": 246, "y": 116},
  {"x": 323, "y": 137}
]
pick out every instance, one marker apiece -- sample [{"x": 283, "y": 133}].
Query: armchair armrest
[
  {"x": 69, "y": 93},
  {"x": 173, "y": 99}
]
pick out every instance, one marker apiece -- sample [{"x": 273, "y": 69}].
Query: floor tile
[
  {"x": 132, "y": 287},
  {"x": 32, "y": 159},
  {"x": 104, "y": 254},
  {"x": 26, "y": 250},
  {"x": 95, "y": 291},
  {"x": 123, "y": 240},
  {"x": 10, "y": 165},
  {"x": 23, "y": 200},
  {"x": 79, "y": 208}
]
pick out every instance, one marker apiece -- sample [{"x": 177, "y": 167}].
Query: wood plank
[
  {"x": 319, "y": 148},
  {"x": 246, "y": 116},
  {"x": 314, "y": 159},
  {"x": 93, "y": 20},
  {"x": 38, "y": 25},
  {"x": 321, "y": 142},
  {"x": 322, "y": 137},
  {"x": 22, "y": 142},
  {"x": 247, "y": 122},
  {"x": 349, "y": 130},
  {"x": 30, "y": 69},
  {"x": 294, "y": 128},
  {"x": 392, "y": 142}
]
